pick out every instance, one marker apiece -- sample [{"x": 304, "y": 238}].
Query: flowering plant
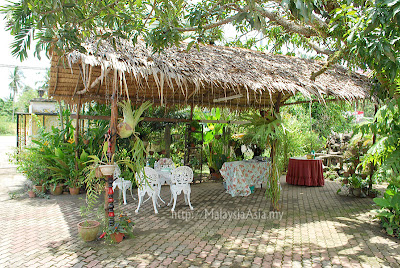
[{"x": 123, "y": 224}]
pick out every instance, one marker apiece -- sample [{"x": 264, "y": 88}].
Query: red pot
[{"x": 117, "y": 237}]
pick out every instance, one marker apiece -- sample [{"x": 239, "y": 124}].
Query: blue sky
[{"x": 30, "y": 67}]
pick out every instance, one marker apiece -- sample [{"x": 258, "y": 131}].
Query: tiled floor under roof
[{"x": 317, "y": 228}]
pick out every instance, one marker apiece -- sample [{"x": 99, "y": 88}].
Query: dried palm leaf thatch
[{"x": 208, "y": 76}]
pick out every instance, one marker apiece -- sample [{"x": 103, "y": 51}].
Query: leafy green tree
[
  {"x": 22, "y": 104},
  {"x": 16, "y": 81},
  {"x": 6, "y": 107},
  {"x": 15, "y": 85}
]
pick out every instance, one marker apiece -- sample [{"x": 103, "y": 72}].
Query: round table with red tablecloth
[{"x": 303, "y": 171}]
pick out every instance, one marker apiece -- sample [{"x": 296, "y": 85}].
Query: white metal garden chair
[
  {"x": 180, "y": 182},
  {"x": 122, "y": 184},
  {"x": 149, "y": 184}
]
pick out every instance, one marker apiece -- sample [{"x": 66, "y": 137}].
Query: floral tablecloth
[{"x": 240, "y": 175}]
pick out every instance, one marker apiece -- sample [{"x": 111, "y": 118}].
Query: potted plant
[
  {"x": 88, "y": 230},
  {"x": 75, "y": 180},
  {"x": 31, "y": 193},
  {"x": 357, "y": 186},
  {"x": 373, "y": 193},
  {"x": 123, "y": 227},
  {"x": 215, "y": 158},
  {"x": 30, "y": 162},
  {"x": 56, "y": 185}
]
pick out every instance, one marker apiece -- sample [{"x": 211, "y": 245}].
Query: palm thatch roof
[{"x": 207, "y": 76}]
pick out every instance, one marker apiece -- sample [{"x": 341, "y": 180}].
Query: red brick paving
[{"x": 318, "y": 229}]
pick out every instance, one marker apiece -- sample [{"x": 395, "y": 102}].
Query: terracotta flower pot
[
  {"x": 31, "y": 194},
  {"x": 56, "y": 191},
  {"x": 74, "y": 191},
  {"x": 117, "y": 237},
  {"x": 88, "y": 230},
  {"x": 40, "y": 188}
]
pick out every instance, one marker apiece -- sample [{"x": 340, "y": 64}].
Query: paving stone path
[{"x": 316, "y": 228}]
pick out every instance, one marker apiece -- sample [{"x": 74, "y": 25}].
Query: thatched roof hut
[{"x": 208, "y": 76}]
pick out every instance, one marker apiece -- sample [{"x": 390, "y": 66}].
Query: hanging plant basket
[{"x": 107, "y": 170}]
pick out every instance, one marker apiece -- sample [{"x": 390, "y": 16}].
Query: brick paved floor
[{"x": 318, "y": 228}]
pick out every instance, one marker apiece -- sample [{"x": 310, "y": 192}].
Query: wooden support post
[
  {"x": 167, "y": 138},
  {"x": 18, "y": 135},
  {"x": 191, "y": 111},
  {"x": 109, "y": 196},
  {"x": 277, "y": 105}
]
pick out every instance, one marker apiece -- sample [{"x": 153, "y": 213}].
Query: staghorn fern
[{"x": 131, "y": 118}]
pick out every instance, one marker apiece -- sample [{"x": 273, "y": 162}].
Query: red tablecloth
[{"x": 302, "y": 171}]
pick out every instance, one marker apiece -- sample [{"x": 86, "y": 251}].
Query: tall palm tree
[{"x": 16, "y": 83}]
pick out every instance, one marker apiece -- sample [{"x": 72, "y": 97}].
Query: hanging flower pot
[
  {"x": 88, "y": 230},
  {"x": 117, "y": 237},
  {"x": 107, "y": 170}
]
